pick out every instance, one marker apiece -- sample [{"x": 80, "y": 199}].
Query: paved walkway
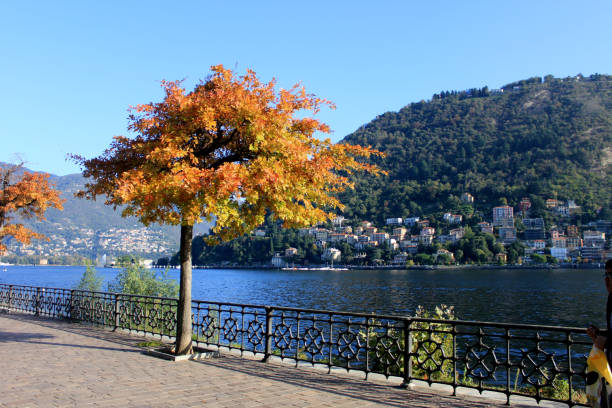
[{"x": 51, "y": 363}]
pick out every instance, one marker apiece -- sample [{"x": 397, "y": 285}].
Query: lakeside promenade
[{"x": 53, "y": 363}]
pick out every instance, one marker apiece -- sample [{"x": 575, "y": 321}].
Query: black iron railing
[{"x": 543, "y": 362}]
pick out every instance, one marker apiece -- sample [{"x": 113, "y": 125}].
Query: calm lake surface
[{"x": 558, "y": 297}]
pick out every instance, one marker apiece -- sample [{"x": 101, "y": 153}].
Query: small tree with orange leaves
[
  {"x": 27, "y": 195},
  {"x": 231, "y": 149}
]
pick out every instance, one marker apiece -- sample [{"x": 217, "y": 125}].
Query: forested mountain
[{"x": 539, "y": 138}]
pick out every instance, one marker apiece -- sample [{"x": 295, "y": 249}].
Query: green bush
[
  {"x": 91, "y": 280},
  {"x": 135, "y": 279}
]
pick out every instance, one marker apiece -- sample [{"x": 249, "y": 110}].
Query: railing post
[
  {"x": 37, "y": 303},
  {"x": 407, "y": 354},
  {"x": 117, "y": 312},
  {"x": 268, "y": 336},
  {"x": 71, "y": 307},
  {"x": 10, "y": 297}
]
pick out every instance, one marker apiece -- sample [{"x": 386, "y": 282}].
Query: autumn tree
[
  {"x": 25, "y": 195},
  {"x": 233, "y": 149}
]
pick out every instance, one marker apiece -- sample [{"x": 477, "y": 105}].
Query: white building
[
  {"x": 411, "y": 221},
  {"x": 394, "y": 221},
  {"x": 559, "y": 253},
  {"x": 331, "y": 255},
  {"x": 278, "y": 261}
]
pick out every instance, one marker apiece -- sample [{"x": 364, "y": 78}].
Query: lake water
[{"x": 558, "y": 297}]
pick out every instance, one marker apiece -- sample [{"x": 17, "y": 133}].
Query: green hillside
[{"x": 541, "y": 137}]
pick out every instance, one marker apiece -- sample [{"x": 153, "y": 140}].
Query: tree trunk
[{"x": 183, "y": 324}]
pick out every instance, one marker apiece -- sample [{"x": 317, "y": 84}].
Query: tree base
[{"x": 167, "y": 353}]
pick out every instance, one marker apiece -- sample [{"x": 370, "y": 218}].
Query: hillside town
[
  {"x": 70, "y": 241},
  {"x": 561, "y": 242}
]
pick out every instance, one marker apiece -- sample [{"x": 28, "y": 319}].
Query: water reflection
[{"x": 549, "y": 297}]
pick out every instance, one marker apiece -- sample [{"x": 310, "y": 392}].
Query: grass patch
[{"x": 151, "y": 343}]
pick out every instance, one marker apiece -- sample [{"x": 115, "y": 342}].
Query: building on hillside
[
  {"x": 428, "y": 231},
  {"x": 336, "y": 237},
  {"x": 507, "y": 235},
  {"x": 331, "y": 255},
  {"x": 347, "y": 229},
  {"x": 559, "y": 253},
  {"x": 400, "y": 259},
  {"x": 289, "y": 252},
  {"x": 572, "y": 231},
  {"x": 503, "y": 216},
  {"x": 524, "y": 206},
  {"x": 409, "y": 241},
  {"x": 352, "y": 239},
  {"x": 259, "y": 233},
  {"x": 321, "y": 234},
  {"x": 278, "y": 261},
  {"x": 337, "y": 221},
  {"x": 370, "y": 230},
  {"x": 366, "y": 224},
  {"x": 411, "y": 249},
  {"x": 392, "y": 243},
  {"x": 422, "y": 223},
  {"x": 485, "y": 227},
  {"x": 573, "y": 242},
  {"x": 533, "y": 223},
  {"x": 555, "y": 233},
  {"x": 595, "y": 239},
  {"x": 559, "y": 242},
  {"x": 536, "y": 243},
  {"x": 452, "y": 218},
  {"x": 425, "y": 239},
  {"x": 394, "y": 221},
  {"x": 380, "y": 237},
  {"x": 501, "y": 257},
  {"x": 444, "y": 238},
  {"x": 533, "y": 234},
  {"x": 562, "y": 210},
  {"x": 592, "y": 254},
  {"x": 445, "y": 252},
  {"x": 467, "y": 198},
  {"x": 552, "y": 203},
  {"x": 411, "y": 221},
  {"x": 573, "y": 208},
  {"x": 457, "y": 233},
  {"x": 400, "y": 232}
]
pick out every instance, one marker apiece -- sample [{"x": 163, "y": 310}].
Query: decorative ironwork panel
[{"x": 546, "y": 363}]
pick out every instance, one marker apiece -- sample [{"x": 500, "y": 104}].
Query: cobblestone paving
[{"x": 50, "y": 363}]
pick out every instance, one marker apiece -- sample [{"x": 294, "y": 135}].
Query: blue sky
[{"x": 70, "y": 70}]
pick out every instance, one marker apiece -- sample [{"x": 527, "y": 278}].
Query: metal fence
[{"x": 543, "y": 362}]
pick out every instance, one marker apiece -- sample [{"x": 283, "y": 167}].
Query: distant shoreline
[
  {"x": 357, "y": 267},
  {"x": 407, "y": 268}
]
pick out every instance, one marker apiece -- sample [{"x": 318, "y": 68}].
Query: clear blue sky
[{"x": 70, "y": 69}]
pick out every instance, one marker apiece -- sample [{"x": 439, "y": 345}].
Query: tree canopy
[
  {"x": 234, "y": 149},
  {"x": 26, "y": 195}
]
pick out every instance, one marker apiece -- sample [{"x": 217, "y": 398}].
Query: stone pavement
[{"x": 52, "y": 363}]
